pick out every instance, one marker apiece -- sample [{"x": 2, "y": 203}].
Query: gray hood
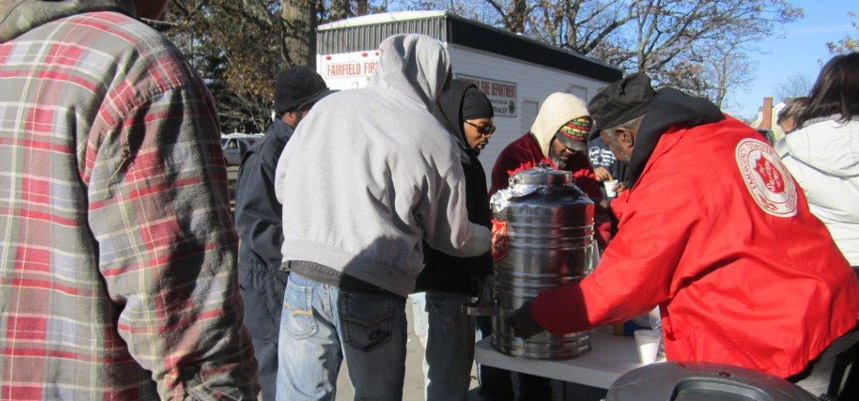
[
  {"x": 19, "y": 16},
  {"x": 416, "y": 66},
  {"x": 826, "y": 144}
]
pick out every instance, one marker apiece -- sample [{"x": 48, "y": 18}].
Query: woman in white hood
[{"x": 823, "y": 152}]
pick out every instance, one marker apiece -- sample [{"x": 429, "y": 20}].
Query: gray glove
[{"x": 523, "y": 324}]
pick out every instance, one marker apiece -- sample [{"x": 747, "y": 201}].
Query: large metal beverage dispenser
[{"x": 543, "y": 237}]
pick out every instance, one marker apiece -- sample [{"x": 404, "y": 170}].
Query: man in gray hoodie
[{"x": 367, "y": 176}]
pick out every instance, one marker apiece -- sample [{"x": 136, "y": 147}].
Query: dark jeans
[
  {"x": 850, "y": 391},
  {"x": 262, "y": 291},
  {"x": 497, "y": 384}
]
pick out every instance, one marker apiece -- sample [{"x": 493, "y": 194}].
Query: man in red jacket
[{"x": 715, "y": 232}]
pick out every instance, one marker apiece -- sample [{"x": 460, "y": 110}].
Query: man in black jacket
[
  {"x": 446, "y": 282},
  {"x": 258, "y": 219}
]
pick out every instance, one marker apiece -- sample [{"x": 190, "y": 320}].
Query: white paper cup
[
  {"x": 647, "y": 342},
  {"x": 609, "y": 188}
]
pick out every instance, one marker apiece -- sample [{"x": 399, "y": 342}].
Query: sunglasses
[{"x": 485, "y": 129}]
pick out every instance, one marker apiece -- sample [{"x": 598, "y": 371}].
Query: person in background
[
  {"x": 558, "y": 139},
  {"x": 258, "y": 215},
  {"x": 545, "y": 143},
  {"x": 607, "y": 167},
  {"x": 603, "y": 162},
  {"x": 787, "y": 116},
  {"x": 447, "y": 282},
  {"x": 360, "y": 192},
  {"x": 822, "y": 153},
  {"x": 118, "y": 272},
  {"x": 735, "y": 236}
]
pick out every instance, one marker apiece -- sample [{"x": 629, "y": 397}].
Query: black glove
[
  {"x": 522, "y": 323},
  {"x": 484, "y": 288}
]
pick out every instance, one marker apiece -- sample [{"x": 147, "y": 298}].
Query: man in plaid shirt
[{"x": 117, "y": 252}]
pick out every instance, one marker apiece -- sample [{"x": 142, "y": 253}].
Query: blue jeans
[
  {"x": 447, "y": 335},
  {"x": 321, "y": 326}
]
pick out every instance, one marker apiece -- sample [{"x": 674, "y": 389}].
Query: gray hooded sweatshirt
[{"x": 369, "y": 173}]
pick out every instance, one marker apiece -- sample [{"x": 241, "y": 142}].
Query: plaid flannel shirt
[{"x": 117, "y": 262}]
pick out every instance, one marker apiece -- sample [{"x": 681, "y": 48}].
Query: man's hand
[
  {"x": 602, "y": 174},
  {"x": 523, "y": 324},
  {"x": 620, "y": 187},
  {"x": 602, "y": 206}
]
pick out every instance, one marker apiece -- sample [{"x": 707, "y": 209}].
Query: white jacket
[
  {"x": 823, "y": 156},
  {"x": 369, "y": 173}
]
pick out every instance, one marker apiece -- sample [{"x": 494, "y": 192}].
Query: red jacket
[
  {"x": 718, "y": 234},
  {"x": 525, "y": 153}
]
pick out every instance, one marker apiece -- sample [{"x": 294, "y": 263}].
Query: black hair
[{"x": 836, "y": 90}]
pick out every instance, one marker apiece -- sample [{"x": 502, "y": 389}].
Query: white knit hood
[{"x": 557, "y": 110}]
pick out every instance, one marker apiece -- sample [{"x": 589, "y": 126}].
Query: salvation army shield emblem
[{"x": 766, "y": 178}]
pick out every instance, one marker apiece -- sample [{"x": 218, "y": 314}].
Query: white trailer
[{"x": 516, "y": 72}]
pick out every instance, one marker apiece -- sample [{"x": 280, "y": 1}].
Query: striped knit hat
[{"x": 574, "y": 134}]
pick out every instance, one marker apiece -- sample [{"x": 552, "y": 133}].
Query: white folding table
[{"x": 610, "y": 357}]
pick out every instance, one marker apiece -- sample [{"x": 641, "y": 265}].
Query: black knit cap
[
  {"x": 476, "y": 105},
  {"x": 296, "y": 87},
  {"x": 620, "y": 102}
]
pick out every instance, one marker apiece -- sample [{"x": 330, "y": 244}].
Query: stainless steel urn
[{"x": 543, "y": 237}]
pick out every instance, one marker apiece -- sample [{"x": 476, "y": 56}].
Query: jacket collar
[
  {"x": 279, "y": 130},
  {"x": 20, "y": 16},
  {"x": 670, "y": 108}
]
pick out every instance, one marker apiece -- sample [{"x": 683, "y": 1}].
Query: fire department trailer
[{"x": 516, "y": 72}]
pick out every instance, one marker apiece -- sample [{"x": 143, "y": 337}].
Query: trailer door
[{"x": 529, "y": 114}]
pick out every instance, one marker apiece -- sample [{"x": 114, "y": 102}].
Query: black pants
[
  {"x": 824, "y": 374},
  {"x": 497, "y": 384},
  {"x": 851, "y": 385},
  {"x": 262, "y": 292}
]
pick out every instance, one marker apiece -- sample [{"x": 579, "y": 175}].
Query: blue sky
[{"x": 799, "y": 47}]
